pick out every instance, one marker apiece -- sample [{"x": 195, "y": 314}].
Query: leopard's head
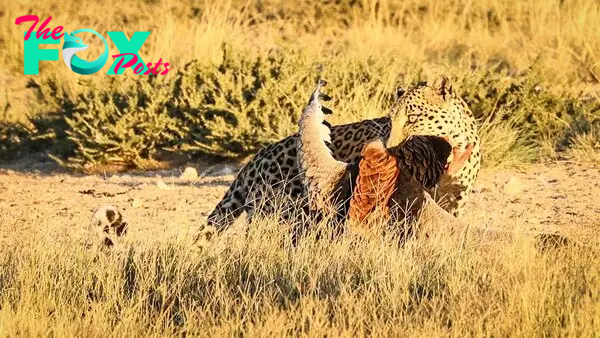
[{"x": 429, "y": 108}]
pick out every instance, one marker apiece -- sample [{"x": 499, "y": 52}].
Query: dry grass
[
  {"x": 587, "y": 148},
  {"x": 259, "y": 285}
]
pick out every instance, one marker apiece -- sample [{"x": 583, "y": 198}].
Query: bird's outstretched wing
[{"x": 322, "y": 172}]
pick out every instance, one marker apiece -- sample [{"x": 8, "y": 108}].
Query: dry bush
[{"x": 586, "y": 148}]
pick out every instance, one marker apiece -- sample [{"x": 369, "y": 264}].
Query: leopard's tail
[
  {"x": 322, "y": 172},
  {"x": 231, "y": 206}
]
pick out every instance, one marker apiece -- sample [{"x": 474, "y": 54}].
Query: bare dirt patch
[{"x": 158, "y": 205}]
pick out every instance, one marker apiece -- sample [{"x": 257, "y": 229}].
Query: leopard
[{"x": 425, "y": 108}]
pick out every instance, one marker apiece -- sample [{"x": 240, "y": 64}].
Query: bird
[{"x": 393, "y": 180}]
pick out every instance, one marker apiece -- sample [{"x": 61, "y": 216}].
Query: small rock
[
  {"x": 161, "y": 184},
  {"x": 513, "y": 186},
  {"x": 224, "y": 171},
  {"x": 189, "y": 173},
  {"x": 136, "y": 202}
]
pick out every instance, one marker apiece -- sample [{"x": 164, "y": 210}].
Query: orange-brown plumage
[
  {"x": 401, "y": 173},
  {"x": 378, "y": 172}
]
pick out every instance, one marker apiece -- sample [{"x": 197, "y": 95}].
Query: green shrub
[
  {"x": 45, "y": 131},
  {"x": 124, "y": 127},
  {"x": 248, "y": 100},
  {"x": 519, "y": 116},
  {"x": 230, "y": 109},
  {"x": 239, "y": 105}
]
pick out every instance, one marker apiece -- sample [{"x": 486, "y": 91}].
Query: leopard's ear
[
  {"x": 442, "y": 86},
  {"x": 399, "y": 93}
]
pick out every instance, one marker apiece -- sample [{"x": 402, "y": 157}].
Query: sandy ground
[{"x": 561, "y": 197}]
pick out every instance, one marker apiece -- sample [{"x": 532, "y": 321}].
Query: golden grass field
[
  {"x": 251, "y": 282},
  {"x": 529, "y": 70}
]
